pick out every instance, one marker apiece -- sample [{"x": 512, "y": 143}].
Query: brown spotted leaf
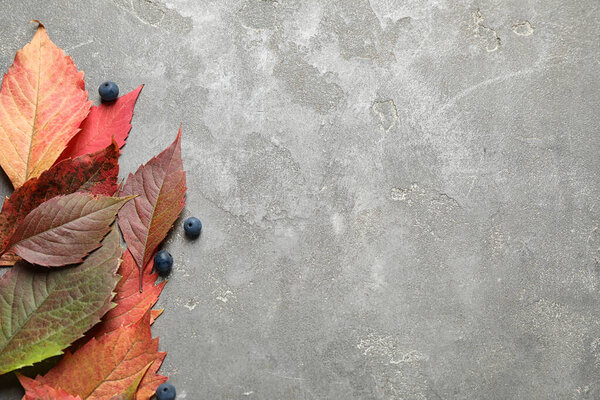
[
  {"x": 94, "y": 173},
  {"x": 9, "y": 259}
]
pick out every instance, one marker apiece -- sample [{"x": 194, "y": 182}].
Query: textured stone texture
[{"x": 399, "y": 196}]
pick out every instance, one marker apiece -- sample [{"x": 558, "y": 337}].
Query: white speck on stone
[
  {"x": 191, "y": 304},
  {"x": 523, "y": 28},
  {"x": 337, "y": 220},
  {"x": 224, "y": 298}
]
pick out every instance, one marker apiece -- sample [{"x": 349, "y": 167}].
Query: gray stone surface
[{"x": 400, "y": 197}]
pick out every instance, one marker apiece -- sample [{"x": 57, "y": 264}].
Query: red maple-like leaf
[
  {"x": 104, "y": 123},
  {"x": 35, "y": 390},
  {"x": 131, "y": 305},
  {"x": 94, "y": 173},
  {"x": 155, "y": 314},
  {"x": 151, "y": 380},
  {"x": 110, "y": 365},
  {"x": 160, "y": 189}
]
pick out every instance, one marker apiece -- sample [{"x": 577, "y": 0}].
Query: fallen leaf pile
[{"x": 70, "y": 288}]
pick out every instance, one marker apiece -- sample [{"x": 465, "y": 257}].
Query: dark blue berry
[
  {"x": 192, "y": 227},
  {"x": 163, "y": 262},
  {"x": 108, "y": 91},
  {"x": 166, "y": 391}
]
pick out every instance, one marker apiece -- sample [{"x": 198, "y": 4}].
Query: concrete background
[{"x": 399, "y": 196}]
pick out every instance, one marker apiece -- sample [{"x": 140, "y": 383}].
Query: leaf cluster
[{"x": 71, "y": 288}]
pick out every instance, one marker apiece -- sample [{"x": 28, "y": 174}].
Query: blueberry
[
  {"x": 163, "y": 262},
  {"x": 166, "y": 391},
  {"x": 108, "y": 91},
  {"x": 192, "y": 227}
]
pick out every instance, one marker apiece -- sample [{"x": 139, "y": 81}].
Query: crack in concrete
[
  {"x": 493, "y": 41},
  {"x": 415, "y": 192},
  {"x": 155, "y": 14}
]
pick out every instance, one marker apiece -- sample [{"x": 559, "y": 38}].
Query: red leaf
[
  {"x": 147, "y": 219},
  {"x": 65, "y": 229},
  {"x": 104, "y": 122},
  {"x": 107, "y": 366},
  {"x": 155, "y": 314},
  {"x": 95, "y": 173},
  {"x": 131, "y": 304},
  {"x": 152, "y": 380},
  {"x": 42, "y": 104},
  {"x": 35, "y": 390}
]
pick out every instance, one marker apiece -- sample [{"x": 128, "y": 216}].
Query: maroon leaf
[
  {"x": 65, "y": 229},
  {"x": 147, "y": 219},
  {"x": 95, "y": 173}
]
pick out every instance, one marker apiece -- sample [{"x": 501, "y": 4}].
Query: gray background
[{"x": 399, "y": 197}]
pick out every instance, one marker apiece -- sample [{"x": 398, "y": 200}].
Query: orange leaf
[
  {"x": 130, "y": 392},
  {"x": 105, "y": 122},
  {"x": 131, "y": 304},
  {"x": 35, "y": 390},
  {"x": 151, "y": 380},
  {"x": 155, "y": 314},
  {"x": 160, "y": 189},
  {"x": 108, "y": 367},
  {"x": 42, "y": 103}
]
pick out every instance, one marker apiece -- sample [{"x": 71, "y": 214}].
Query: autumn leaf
[
  {"x": 131, "y": 305},
  {"x": 42, "y": 311},
  {"x": 152, "y": 380},
  {"x": 35, "y": 390},
  {"x": 130, "y": 393},
  {"x": 155, "y": 314},
  {"x": 107, "y": 366},
  {"x": 42, "y": 103},
  {"x": 9, "y": 259},
  {"x": 95, "y": 173},
  {"x": 65, "y": 229},
  {"x": 108, "y": 121},
  {"x": 147, "y": 219}
]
